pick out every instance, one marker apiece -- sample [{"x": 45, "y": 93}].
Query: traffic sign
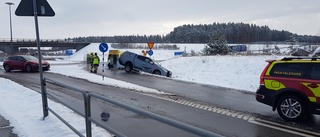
[
  {"x": 150, "y": 52},
  {"x": 144, "y": 52},
  {"x": 150, "y": 45},
  {"x": 69, "y": 52},
  {"x": 103, "y": 47},
  {"x": 25, "y": 8}
]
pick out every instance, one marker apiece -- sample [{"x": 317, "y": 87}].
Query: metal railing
[
  {"x": 87, "y": 96},
  {"x": 34, "y": 40}
]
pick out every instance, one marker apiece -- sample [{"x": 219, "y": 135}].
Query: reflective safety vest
[
  {"x": 96, "y": 60},
  {"x": 91, "y": 58}
]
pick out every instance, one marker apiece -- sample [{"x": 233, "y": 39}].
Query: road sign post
[
  {"x": 37, "y": 8},
  {"x": 103, "y": 47}
]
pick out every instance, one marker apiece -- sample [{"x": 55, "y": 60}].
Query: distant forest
[{"x": 233, "y": 32}]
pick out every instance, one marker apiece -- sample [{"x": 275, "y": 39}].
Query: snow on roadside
[
  {"x": 78, "y": 71},
  {"x": 235, "y": 72},
  {"x": 23, "y": 107}
]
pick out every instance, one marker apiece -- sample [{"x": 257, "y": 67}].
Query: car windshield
[
  {"x": 158, "y": 63},
  {"x": 31, "y": 58}
]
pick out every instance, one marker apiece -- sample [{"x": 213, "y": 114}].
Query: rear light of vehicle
[{"x": 263, "y": 73}]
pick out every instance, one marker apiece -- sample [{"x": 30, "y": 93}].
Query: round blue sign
[
  {"x": 103, "y": 47},
  {"x": 150, "y": 52}
]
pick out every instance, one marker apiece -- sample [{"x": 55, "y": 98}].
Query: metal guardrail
[
  {"x": 87, "y": 96},
  {"x": 46, "y": 108},
  {"x": 34, "y": 40}
]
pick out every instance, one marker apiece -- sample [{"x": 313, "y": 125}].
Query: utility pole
[{"x": 10, "y": 3}]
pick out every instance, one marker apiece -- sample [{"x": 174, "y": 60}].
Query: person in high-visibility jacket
[
  {"x": 96, "y": 61},
  {"x": 91, "y": 61}
]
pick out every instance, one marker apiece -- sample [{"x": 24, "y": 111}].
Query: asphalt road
[
  {"x": 224, "y": 111},
  {"x": 233, "y": 99}
]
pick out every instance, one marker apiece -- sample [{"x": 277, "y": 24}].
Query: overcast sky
[{"x": 75, "y": 18}]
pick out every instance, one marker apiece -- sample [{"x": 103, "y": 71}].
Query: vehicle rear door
[
  {"x": 139, "y": 62},
  {"x": 304, "y": 77},
  {"x": 13, "y": 63},
  {"x": 287, "y": 75},
  {"x": 313, "y": 83}
]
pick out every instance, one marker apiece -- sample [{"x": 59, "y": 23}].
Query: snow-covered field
[
  {"x": 24, "y": 109},
  {"x": 232, "y": 71}
]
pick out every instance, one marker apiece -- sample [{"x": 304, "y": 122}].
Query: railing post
[
  {"x": 87, "y": 111},
  {"x": 44, "y": 99}
]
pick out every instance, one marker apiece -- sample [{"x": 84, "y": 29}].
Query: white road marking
[
  {"x": 284, "y": 128},
  {"x": 239, "y": 115}
]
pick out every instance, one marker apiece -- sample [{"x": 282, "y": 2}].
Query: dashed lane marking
[
  {"x": 242, "y": 116},
  {"x": 205, "y": 107}
]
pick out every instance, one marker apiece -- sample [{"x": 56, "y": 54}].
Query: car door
[
  {"x": 147, "y": 65},
  {"x": 20, "y": 63},
  {"x": 144, "y": 63}
]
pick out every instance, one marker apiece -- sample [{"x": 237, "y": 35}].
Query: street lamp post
[{"x": 10, "y": 3}]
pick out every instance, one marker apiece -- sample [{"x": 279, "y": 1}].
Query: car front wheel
[
  {"x": 28, "y": 68},
  {"x": 291, "y": 108},
  {"x": 157, "y": 72}
]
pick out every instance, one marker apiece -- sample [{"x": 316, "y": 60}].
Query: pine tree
[{"x": 217, "y": 45}]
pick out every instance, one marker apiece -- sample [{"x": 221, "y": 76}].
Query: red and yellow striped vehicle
[{"x": 291, "y": 86}]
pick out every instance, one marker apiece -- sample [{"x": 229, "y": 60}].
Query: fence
[
  {"x": 87, "y": 96},
  {"x": 34, "y": 40}
]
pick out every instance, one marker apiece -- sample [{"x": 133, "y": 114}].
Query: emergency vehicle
[{"x": 291, "y": 86}]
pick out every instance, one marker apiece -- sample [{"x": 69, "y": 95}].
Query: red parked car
[{"x": 26, "y": 63}]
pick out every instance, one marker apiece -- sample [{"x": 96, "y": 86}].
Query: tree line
[{"x": 201, "y": 33}]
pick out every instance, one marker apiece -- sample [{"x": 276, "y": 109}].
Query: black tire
[
  {"x": 45, "y": 69},
  {"x": 169, "y": 74},
  {"x": 156, "y": 72},
  {"x": 291, "y": 108},
  {"x": 28, "y": 68},
  {"x": 128, "y": 67},
  {"x": 7, "y": 68}
]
